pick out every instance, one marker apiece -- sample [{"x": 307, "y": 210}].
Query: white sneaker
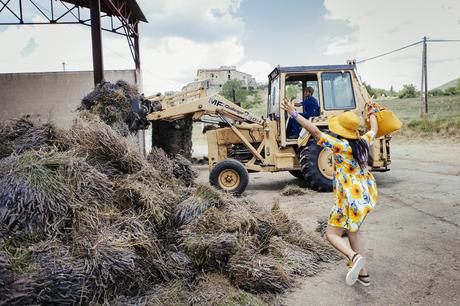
[{"x": 353, "y": 273}]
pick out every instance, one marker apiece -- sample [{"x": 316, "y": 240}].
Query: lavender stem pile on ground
[{"x": 86, "y": 219}]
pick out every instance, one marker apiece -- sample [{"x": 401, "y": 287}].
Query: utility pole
[
  {"x": 63, "y": 66},
  {"x": 424, "y": 83}
]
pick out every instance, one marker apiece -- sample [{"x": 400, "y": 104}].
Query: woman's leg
[
  {"x": 334, "y": 236},
  {"x": 357, "y": 246}
]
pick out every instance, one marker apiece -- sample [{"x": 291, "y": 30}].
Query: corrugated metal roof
[{"x": 132, "y": 5}]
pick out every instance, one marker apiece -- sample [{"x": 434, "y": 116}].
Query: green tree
[
  {"x": 369, "y": 89},
  {"x": 457, "y": 86},
  {"x": 450, "y": 91},
  {"x": 408, "y": 91},
  {"x": 252, "y": 91},
  {"x": 435, "y": 92},
  {"x": 257, "y": 100},
  {"x": 241, "y": 93},
  {"x": 262, "y": 86},
  {"x": 392, "y": 91},
  {"x": 169, "y": 93},
  {"x": 291, "y": 91},
  {"x": 251, "y": 101},
  {"x": 376, "y": 92}
]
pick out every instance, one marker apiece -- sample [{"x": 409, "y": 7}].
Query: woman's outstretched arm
[{"x": 306, "y": 124}]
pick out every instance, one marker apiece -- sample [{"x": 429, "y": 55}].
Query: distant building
[
  {"x": 219, "y": 76},
  {"x": 214, "y": 79}
]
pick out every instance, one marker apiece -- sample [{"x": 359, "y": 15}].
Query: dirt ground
[{"x": 412, "y": 238}]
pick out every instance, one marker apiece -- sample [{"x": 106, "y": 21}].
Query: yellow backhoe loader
[{"x": 243, "y": 142}]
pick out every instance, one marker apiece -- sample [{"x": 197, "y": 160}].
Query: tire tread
[{"x": 308, "y": 163}]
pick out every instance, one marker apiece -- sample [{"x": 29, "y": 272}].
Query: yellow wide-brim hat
[{"x": 345, "y": 125}]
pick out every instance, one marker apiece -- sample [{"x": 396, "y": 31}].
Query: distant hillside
[{"x": 448, "y": 84}]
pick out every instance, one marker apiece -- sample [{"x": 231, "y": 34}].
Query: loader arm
[{"x": 213, "y": 105}]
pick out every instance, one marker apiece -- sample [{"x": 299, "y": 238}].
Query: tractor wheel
[
  {"x": 297, "y": 173},
  {"x": 317, "y": 167},
  {"x": 229, "y": 175}
]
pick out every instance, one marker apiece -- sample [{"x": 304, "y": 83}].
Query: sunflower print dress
[{"x": 355, "y": 190}]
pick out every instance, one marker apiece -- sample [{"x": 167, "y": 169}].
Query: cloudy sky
[{"x": 254, "y": 35}]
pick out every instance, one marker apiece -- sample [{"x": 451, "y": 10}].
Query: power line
[
  {"x": 424, "y": 84},
  {"x": 389, "y": 52},
  {"x": 443, "y": 40},
  {"x": 405, "y": 47}
]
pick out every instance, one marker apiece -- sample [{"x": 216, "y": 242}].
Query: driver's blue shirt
[{"x": 310, "y": 107}]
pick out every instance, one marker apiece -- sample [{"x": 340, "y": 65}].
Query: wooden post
[
  {"x": 424, "y": 83},
  {"x": 426, "y": 74}
]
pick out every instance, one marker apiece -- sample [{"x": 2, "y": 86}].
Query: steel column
[
  {"x": 137, "y": 55},
  {"x": 98, "y": 64}
]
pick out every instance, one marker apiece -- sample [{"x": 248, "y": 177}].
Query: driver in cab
[{"x": 310, "y": 109}]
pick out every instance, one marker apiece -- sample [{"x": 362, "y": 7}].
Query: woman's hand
[
  {"x": 371, "y": 108},
  {"x": 306, "y": 124},
  {"x": 370, "y": 113},
  {"x": 288, "y": 106}
]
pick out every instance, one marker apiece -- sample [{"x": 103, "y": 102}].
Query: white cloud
[
  {"x": 200, "y": 20},
  {"x": 258, "y": 69},
  {"x": 339, "y": 45},
  {"x": 165, "y": 8},
  {"x": 29, "y": 48},
  {"x": 174, "y": 61},
  {"x": 380, "y": 26},
  {"x": 52, "y": 46}
]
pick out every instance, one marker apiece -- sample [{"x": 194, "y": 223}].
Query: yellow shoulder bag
[{"x": 386, "y": 119}]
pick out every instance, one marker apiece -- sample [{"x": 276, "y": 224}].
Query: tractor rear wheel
[
  {"x": 297, "y": 173},
  {"x": 317, "y": 166},
  {"x": 229, "y": 175}
]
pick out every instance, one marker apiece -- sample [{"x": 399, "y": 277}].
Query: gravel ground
[{"x": 412, "y": 238}]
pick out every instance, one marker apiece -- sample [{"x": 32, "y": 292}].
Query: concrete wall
[
  {"x": 52, "y": 95},
  {"x": 56, "y": 96}
]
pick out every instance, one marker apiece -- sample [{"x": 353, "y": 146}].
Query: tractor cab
[{"x": 336, "y": 88}]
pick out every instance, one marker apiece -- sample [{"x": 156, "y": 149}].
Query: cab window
[
  {"x": 338, "y": 91},
  {"x": 274, "y": 98},
  {"x": 293, "y": 90},
  {"x": 314, "y": 85}
]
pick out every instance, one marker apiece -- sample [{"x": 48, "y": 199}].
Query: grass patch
[
  {"x": 291, "y": 190},
  {"x": 443, "y": 116},
  {"x": 445, "y": 126},
  {"x": 20, "y": 259},
  {"x": 243, "y": 298},
  {"x": 439, "y": 107}
]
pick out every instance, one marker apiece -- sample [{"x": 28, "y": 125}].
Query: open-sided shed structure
[{"x": 117, "y": 16}]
